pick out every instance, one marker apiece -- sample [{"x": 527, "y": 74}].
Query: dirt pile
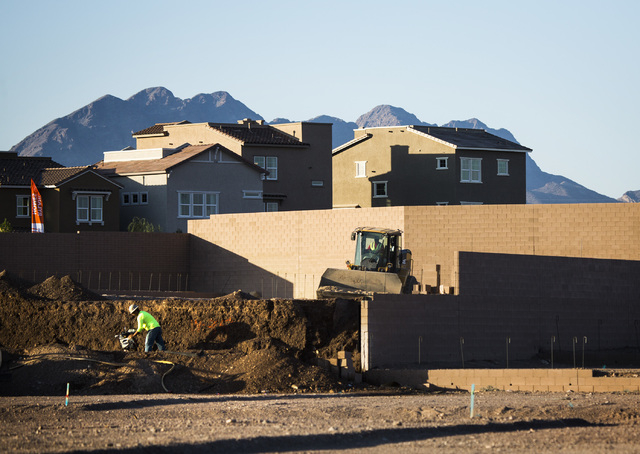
[{"x": 53, "y": 334}]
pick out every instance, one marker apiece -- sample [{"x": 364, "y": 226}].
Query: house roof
[
  {"x": 20, "y": 170},
  {"x": 55, "y": 177},
  {"x": 249, "y": 133},
  {"x": 158, "y": 129},
  {"x": 254, "y": 134},
  {"x": 166, "y": 163},
  {"x": 351, "y": 143},
  {"x": 469, "y": 139}
]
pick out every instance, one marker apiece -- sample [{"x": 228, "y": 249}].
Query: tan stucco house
[
  {"x": 73, "y": 198},
  {"x": 169, "y": 186},
  {"x": 426, "y": 165},
  {"x": 297, "y": 156}
]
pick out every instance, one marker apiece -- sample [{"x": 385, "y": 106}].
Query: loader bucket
[{"x": 351, "y": 283}]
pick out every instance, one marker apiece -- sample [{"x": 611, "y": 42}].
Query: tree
[
  {"x": 6, "y": 226},
  {"x": 141, "y": 225}
]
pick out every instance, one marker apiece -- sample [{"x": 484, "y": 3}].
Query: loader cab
[{"x": 376, "y": 250}]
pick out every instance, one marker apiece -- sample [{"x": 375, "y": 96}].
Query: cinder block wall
[
  {"x": 285, "y": 253},
  {"x": 100, "y": 260},
  {"x": 280, "y": 254},
  {"x": 435, "y": 234},
  {"x": 509, "y": 306}
]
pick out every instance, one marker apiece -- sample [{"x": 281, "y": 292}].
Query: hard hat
[{"x": 133, "y": 308}]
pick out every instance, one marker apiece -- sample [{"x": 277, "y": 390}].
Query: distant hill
[
  {"x": 630, "y": 197},
  {"x": 106, "y": 124}
]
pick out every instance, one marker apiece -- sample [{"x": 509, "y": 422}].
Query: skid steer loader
[{"x": 380, "y": 265}]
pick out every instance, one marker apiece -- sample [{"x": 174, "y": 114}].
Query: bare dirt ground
[
  {"x": 377, "y": 422},
  {"x": 241, "y": 377}
]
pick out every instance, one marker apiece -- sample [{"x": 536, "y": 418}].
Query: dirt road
[{"x": 502, "y": 422}]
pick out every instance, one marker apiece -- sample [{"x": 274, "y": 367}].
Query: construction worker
[{"x": 150, "y": 324}]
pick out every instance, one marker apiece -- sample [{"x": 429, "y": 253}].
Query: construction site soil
[
  {"x": 62, "y": 333},
  {"x": 240, "y": 375}
]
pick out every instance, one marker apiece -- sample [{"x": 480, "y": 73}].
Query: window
[
  {"x": 22, "y": 206},
  {"x": 503, "y": 167},
  {"x": 268, "y": 163},
  {"x": 252, "y": 194},
  {"x": 361, "y": 169},
  {"x": 271, "y": 206},
  {"x": 197, "y": 204},
  {"x": 441, "y": 163},
  {"x": 89, "y": 209},
  {"x": 135, "y": 198},
  {"x": 379, "y": 189},
  {"x": 470, "y": 170}
]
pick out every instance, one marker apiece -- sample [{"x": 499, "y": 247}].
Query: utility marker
[
  {"x": 66, "y": 401},
  {"x": 473, "y": 395}
]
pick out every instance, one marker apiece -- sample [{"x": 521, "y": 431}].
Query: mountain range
[{"x": 106, "y": 124}]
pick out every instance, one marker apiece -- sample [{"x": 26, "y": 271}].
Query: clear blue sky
[{"x": 562, "y": 76}]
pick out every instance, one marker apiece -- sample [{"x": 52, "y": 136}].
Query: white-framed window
[
  {"x": 89, "y": 209},
  {"x": 251, "y": 194},
  {"x": 503, "y": 167},
  {"x": 471, "y": 170},
  {"x": 144, "y": 198},
  {"x": 317, "y": 183},
  {"x": 441, "y": 163},
  {"x": 135, "y": 198},
  {"x": 271, "y": 206},
  {"x": 268, "y": 163},
  {"x": 361, "y": 169},
  {"x": 197, "y": 204},
  {"x": 23, "y": 203},
  {"x": 379, "y": 189},
  {"x": 125, "y": 198}
]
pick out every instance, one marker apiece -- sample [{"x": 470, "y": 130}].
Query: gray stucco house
[{"x": 169, "y": 186}]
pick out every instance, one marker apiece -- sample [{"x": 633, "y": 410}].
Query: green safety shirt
[{"x": 146, "y": 321}]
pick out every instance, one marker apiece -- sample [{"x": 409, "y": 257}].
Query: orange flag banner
[{"x": 37, "y": 218}]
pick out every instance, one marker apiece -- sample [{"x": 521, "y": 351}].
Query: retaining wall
[
  {"x": 508, "y": 306},
  {"x": 106, "y": 261}
]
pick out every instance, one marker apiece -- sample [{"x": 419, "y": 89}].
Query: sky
[{"x": 562, "y": 76}]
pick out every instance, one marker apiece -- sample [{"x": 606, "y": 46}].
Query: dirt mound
[
  {"x": 221, "y": 345},
  {"x": 63, "y": 289},
  {"x": 11, "y": 285}
]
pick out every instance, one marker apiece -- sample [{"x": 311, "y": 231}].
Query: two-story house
[
  {"x": 426, "y": 165},
  {"x": 297, "y": 156},
  {"x": 169, "y": 186},
  {"x": 73, "y": 198}
]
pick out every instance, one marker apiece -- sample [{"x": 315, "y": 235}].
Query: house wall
[
  {"x": 155, "y": 211},
  {"x": 8, "y": 208},
  {"x": 297, "y": 167},
  {"x": 59, "y": 208},
  {"x": 228, "y": 177},
  {"x": 295, "y": 248},
  {"x": 64, "y": 207},
  {"x": 407, "y": 161},
  {"x": 106, "y": 261}
]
